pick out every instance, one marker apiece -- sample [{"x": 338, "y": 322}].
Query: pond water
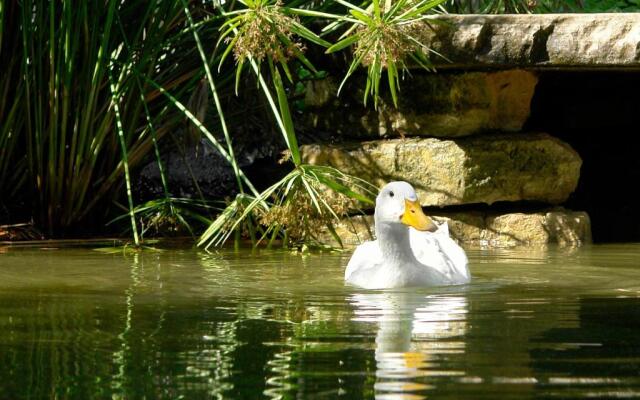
[{"x": 82, "y": 323}]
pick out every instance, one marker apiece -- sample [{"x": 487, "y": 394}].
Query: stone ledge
[
  {"x": 477, "y": 169},
  {"x": 540, "y": 40},
  {"x": 554, "y": 226},
  {"x": 436, "y": 105}
]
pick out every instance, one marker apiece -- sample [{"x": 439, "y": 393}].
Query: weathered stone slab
[
  {"x": 478, "y": 169},
  {"x": 438, "y": 105},
  {"x": 542, "y": 40},
  {"x": 564, "y": 227}
]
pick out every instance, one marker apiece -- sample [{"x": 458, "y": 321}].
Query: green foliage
[
  {"x": 540, "y": 6},
  {"x": 212, "y": 86},
  {"x": 385, "y": 37},
  {"x": 59, "y": 137},
  {"x": 606, "y": 5},
  {"x": 491, "y": 6},
  {"x": 293, "y": 209},
  {"x": 266, "y": 32},
  {"x": 91, "y": 88},
  {"x": 169, "y": 216},
  {"x": 125, "y": 157}
]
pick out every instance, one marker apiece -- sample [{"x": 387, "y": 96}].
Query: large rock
[
  {"x": 543, "y": 40},
  {"x": 564, "y": 227},
  {"x": 439, "y": 105},
  {"x": 480, "y": 169}
]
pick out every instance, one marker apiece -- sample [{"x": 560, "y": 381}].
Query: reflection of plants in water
[
  {"x": 121, "y": 382},
  {"x": 203, "y": 363}
]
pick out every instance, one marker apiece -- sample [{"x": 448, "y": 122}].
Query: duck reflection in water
[{"x": 414, "y": 331}]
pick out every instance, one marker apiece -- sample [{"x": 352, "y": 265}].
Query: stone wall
[
  {"x": 540, "y": 41},
  {"x": 445, "y": 172},
  {"x": 432, "y": 105},
  {"x": 460, "y": 136},
  {"x": 476, "y": 228}
]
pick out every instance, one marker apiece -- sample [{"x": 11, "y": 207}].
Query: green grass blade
[
  {"x": 362, "y": 17},
  {"x": 298, "y": 54},
  {"x": 376, "y": 9},
  {"x": 176, "y": 103},
  {"x": 212, "y": 86},
  {"x": 397, "y": 5},
  {"x": 351, "y": 6},
  {"x": 346, "y": 42},
  {"x": 306, "y": 33},
  {"x": 324, "y": 176},
  {"x": 283, "y": 102},
  {"x": 319, "y": 14},
  {"x": 116, "y": 110},
  {"x": 421, "y": 8},
  {"x": 392, "y": 75},
  {"x": 227, "y": 51},
  {"x": 334, "y": 234}
]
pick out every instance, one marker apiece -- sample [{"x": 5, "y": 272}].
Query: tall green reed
[{"x": 57, "y": 108}]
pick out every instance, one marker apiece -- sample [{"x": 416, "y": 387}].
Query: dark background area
[{"x": 598, "y": 114}]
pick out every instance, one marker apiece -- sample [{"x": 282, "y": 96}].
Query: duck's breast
[
  {"x": 366, "y": 269},
  {"x": 440, "y": 252}
]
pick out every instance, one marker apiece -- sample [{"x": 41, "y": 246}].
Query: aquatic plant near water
[
  {"x": 293, "y": 209},
  {"x": 242, "y": 35},
  {"x": 59, "y": 141},
  {"x": 386, "y": 37},
  {"x": 97, "y": 101}
]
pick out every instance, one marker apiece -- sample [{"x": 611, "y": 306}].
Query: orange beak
[{"x": 414, "y": 217}]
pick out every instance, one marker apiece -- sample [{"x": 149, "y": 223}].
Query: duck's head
[{"x": 397, "y": 203}]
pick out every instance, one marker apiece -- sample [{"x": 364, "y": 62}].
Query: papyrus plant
[
  {"x": 386, "y": 37},
  {"x": 265, "y": 32}
]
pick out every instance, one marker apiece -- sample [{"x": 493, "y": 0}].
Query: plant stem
[
  {"x": 125, "y": 161},
  {"x": 212, "y": 86}
]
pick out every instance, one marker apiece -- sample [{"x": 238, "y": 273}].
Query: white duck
[{"x": 402, "y": 256}]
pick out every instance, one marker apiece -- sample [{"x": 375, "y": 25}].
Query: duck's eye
[{"x": 390, "y": 193}]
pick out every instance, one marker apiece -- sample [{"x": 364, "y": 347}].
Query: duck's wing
[
  {"x": 363, "y": 263},
  {"x": 439, "y": 251}
]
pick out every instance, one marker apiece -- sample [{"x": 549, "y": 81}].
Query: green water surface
[{"x": 184, "y": 324}]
